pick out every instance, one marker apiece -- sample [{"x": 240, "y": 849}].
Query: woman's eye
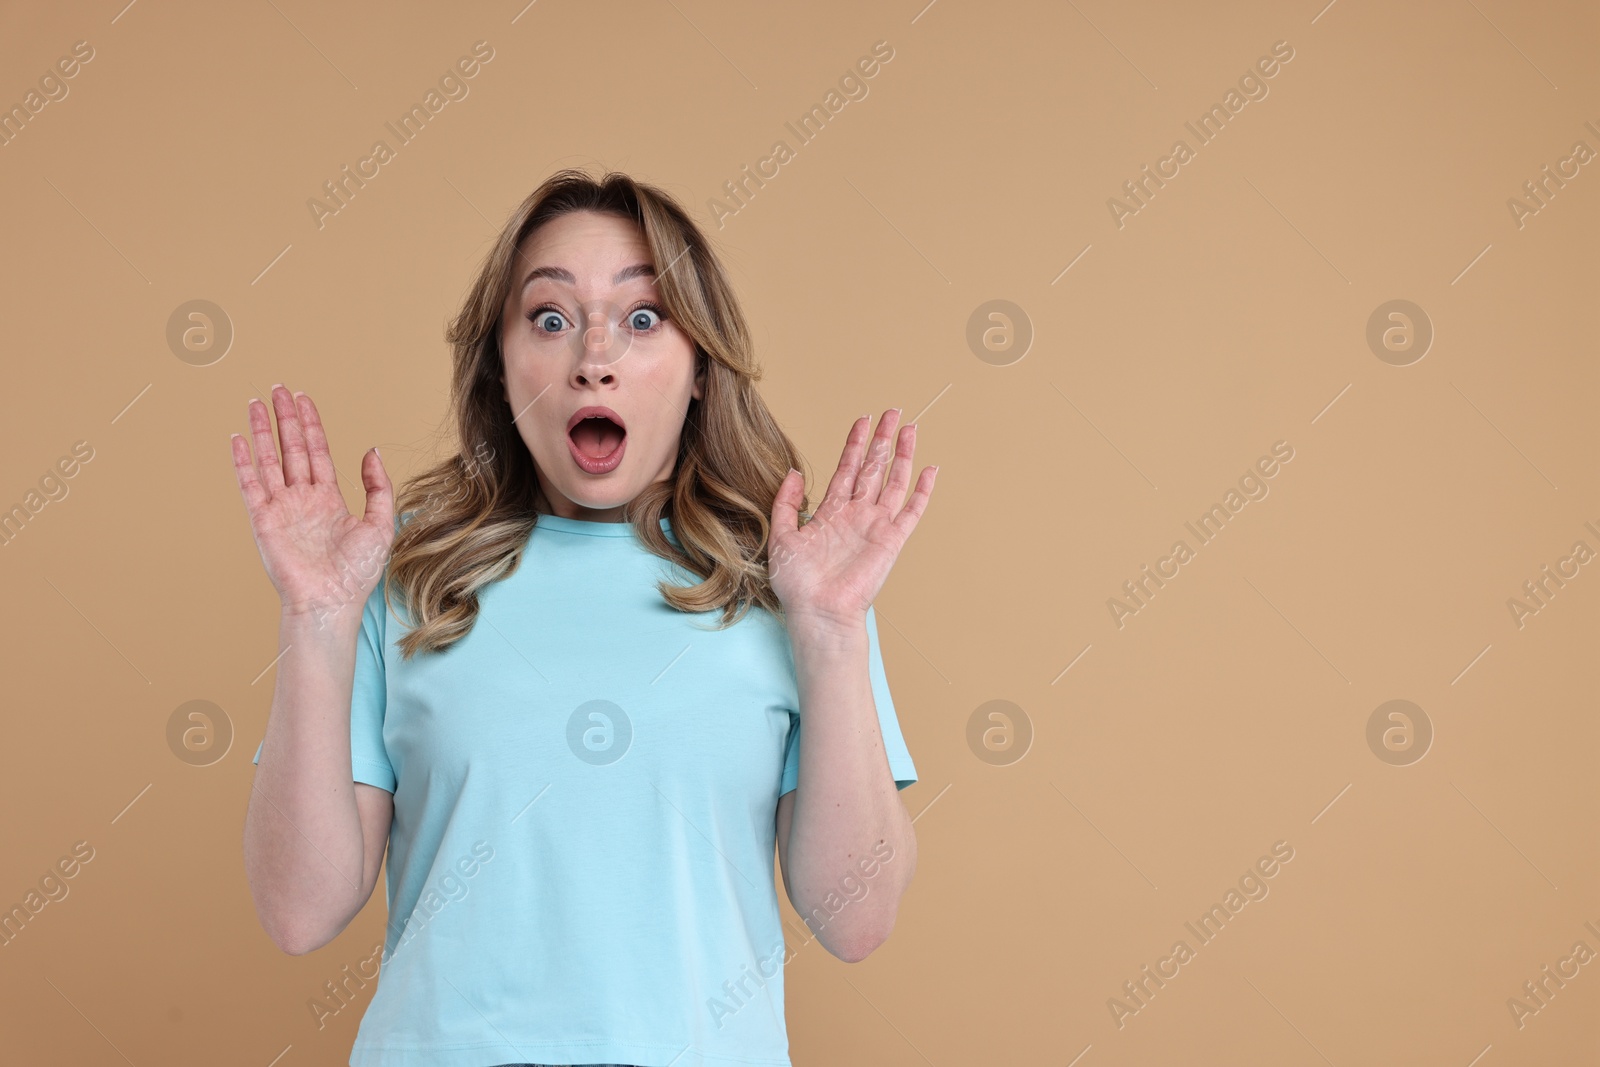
[
  {"x": 546, "y": 320},
  {"x": 639, "y": 320}
]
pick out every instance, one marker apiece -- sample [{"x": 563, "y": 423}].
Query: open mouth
[{"x": 596, "y": 437}]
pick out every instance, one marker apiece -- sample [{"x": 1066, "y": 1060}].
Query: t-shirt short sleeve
[
  {"x": 369, "y": 759},
  {"x": 894, "y": 744}
]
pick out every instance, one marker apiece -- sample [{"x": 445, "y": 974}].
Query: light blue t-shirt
[{"x": 580, "y": 866}]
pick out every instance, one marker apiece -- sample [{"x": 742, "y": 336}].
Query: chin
[
  {"x": 600, "y": 501},
  {"x": 597, "y": 493}
]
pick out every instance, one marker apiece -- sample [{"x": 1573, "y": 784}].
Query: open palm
[
  {"x": 832, "y": 567},
  {"x": 318, "y": 556}
]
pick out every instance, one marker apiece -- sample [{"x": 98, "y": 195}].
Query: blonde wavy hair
[{"x": 470, "y": 516}]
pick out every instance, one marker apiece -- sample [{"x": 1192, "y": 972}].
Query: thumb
[
  {"x": 380, "y": 493},
  {"x": 785, "y": 521},
  {"x": 786, "y": 505}
]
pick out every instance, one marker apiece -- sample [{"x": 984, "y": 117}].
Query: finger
[
  {"x": 296, "y": 464},
  {"x": 266, "y": 451},
  {"x": 250, "y": 487},
  {"x": 906, "y": 521},
  {"x": 843, "y": 481},
  {"x": 316, "y": 441},
  {"x": 894, "y": 490},
  {"x": 380, "y": 493},
  {"x": 869, "y": 479}
]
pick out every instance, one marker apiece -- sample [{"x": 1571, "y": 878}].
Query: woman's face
[{"x": 584, "y": 328}]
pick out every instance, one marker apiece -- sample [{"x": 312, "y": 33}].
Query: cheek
[
  {"x": 527, "y": 374},
  {"x": 675, "y": 376}
]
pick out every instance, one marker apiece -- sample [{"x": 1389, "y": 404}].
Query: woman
[{"x": 576, "y": 669}]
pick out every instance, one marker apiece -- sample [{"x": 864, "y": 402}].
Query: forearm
[
  {"x": 303, "y": 849},
  {"x": 851, "y": 849}
]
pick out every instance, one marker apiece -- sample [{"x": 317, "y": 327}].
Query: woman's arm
[
  {"x": 314, "y": 838},
  {"x": 845, "y": 826}
]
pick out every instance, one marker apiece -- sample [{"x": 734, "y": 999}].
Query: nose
[
  {"x": 597, "y": 335},
  {"x": 598, "y": 349}
]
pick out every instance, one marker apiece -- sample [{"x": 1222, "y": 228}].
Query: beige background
[{"x": 1228, "y": 314}]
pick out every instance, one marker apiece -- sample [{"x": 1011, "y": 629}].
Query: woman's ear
[{"x": 699, "y": 388}]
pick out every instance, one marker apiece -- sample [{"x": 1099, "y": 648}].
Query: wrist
[
  {"x": 312, "y": 620},
  {"x": 827, "y": 628}
]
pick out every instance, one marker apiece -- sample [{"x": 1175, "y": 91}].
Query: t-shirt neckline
[{"x": 562, "y": 524}]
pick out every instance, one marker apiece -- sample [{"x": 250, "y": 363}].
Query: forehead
[{"x": 590, "y": 247}]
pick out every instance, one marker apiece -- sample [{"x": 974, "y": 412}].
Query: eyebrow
[{"x": 561, "y": 274}]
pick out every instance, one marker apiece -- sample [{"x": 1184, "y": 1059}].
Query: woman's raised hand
[
  {"x": 319, "y": 557},
  {"x": 830, "y": 569}
]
